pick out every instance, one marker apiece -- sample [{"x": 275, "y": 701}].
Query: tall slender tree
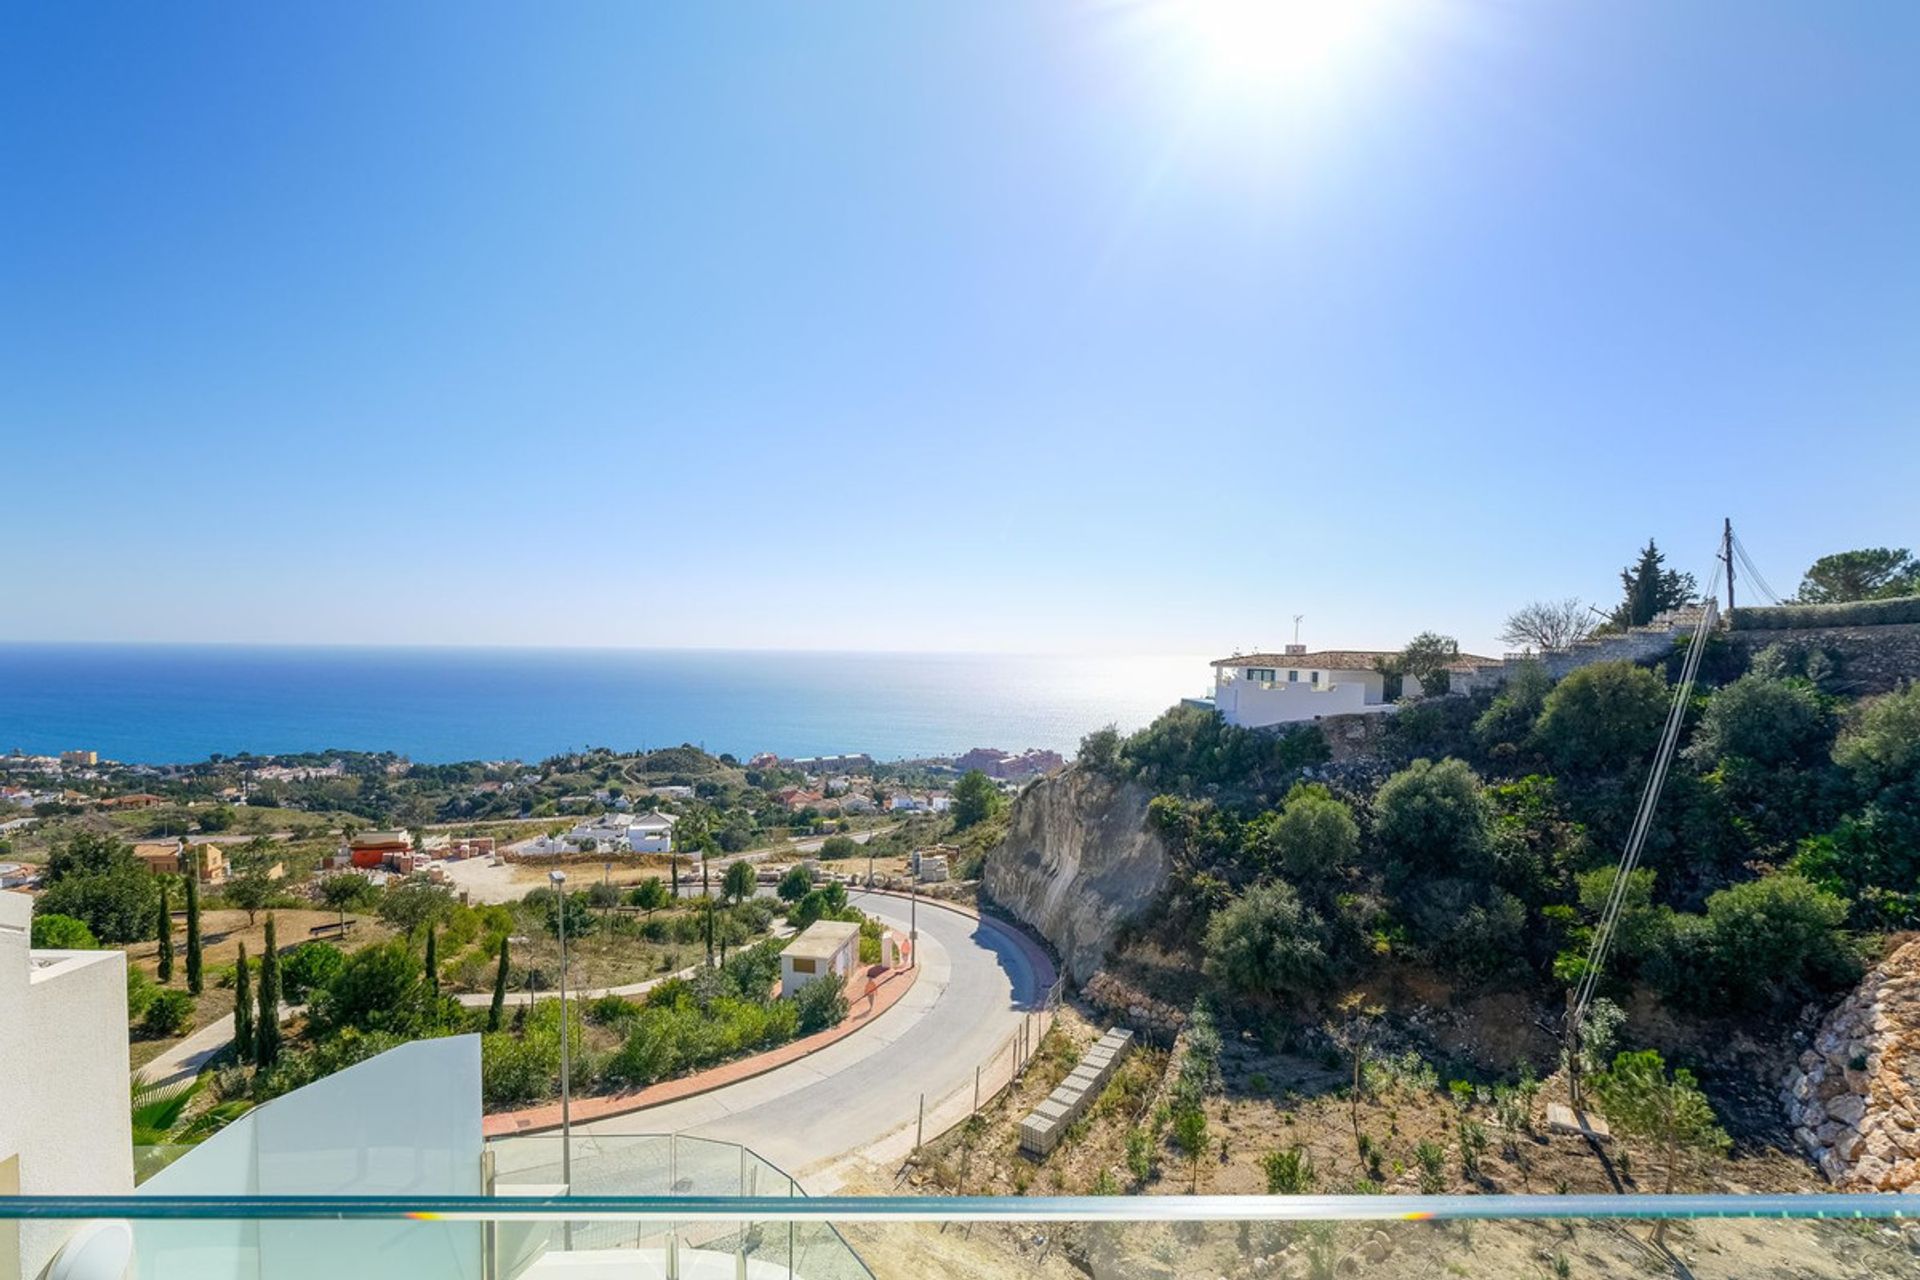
[
  {"x": 433, "y": 961},
  {"x": 497, "y": 1012},
  {"x": 195, "y": 978},
  {"x": 266, "y": 1050},
  {"x": 242, "y": 1008},
  {"x": 163, "y": 934}
]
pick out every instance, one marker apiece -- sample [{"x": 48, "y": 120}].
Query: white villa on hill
[
  {"x": 1253, "y": 690},
  {"x": 650, "y": 833}
]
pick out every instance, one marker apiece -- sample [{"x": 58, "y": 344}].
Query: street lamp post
[
  {"x": 558, "y": 879},
  {"x": 913, "y": 920}
]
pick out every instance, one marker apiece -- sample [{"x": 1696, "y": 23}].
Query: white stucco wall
[
  {"x": 63, "y": 1060},
  {"x": 1254, "y": 704}
]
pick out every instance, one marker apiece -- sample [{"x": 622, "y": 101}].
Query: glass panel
[{"x": 1115, "y": 1238}]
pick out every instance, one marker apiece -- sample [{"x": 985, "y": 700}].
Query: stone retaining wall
[
  {"x": 1854, "y": 1100},
  {"x": 1867, "y": 660}
]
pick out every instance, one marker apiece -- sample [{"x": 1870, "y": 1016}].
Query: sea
[{"x": 161, "y": 704}]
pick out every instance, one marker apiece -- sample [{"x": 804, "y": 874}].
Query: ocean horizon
[{"x": 172, "y": 703}]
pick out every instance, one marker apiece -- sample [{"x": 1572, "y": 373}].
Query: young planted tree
[
  {"x": 1190, "y": 1135},
  {"x": 738, "y": 883},
  {"x": 266, "y": 1050},
  {"x": 163, "y": 934},
  {"x": 1642, "y": 1101},
  {"x": 649, "y": 895},
  {"x": 1354, "y": 1034},
  {"x": 243, "y": 1045},
  {"x": 195, "y": 978},
  {"x": 348, "y": 891},
  {"x": 497, "y": 1011}
]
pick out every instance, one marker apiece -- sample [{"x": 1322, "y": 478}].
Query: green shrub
[
  {"x": 1604, "y": 718},
  {"x": 1267, "y": 943},
  {"x": 140, "y": 992},
  {"x": 1774, "y": 723},
  {"x": 835, "y": 847},
  {"x": 167, "y": 1013},
  {"x": 1778, "y": 938},
  {"x": 821, "y": 1004},
  {"x": 516, "y": 1070},
  {"x": 307, "y": 968},
  {"x": 1289, "y": 1172},
  {"x": 1855, "y": 613},
  {"x": 1311, "y": 836},
  {"x": 1432, "y": 820},
  {"x": 1881, "y": 744},
  {"x": 61, "y": 933}
]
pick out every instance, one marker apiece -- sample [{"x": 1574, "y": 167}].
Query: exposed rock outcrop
[
  {"x": 1854, "y": 1102},
  {"x": 1077, "y": 863}
]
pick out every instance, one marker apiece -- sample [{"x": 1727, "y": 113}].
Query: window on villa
[
  {"x": 1260, "y": 673},
  {"x": 1293, "y": 677},
  {"x": 802, "y": 966},
  {"x": 1316, "y": 677}
]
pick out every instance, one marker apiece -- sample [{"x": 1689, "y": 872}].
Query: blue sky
[{"x": 1005, "y": 324}]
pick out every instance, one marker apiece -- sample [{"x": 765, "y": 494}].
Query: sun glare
[{"x": 1273, "y": 44}]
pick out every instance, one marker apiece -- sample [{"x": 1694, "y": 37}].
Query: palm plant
[{"x": 160, "y": 1123}]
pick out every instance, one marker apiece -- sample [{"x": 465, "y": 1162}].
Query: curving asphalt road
[{"x": 976, "y": 984}]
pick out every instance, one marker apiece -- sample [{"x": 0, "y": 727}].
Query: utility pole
[
  {"x": 559, "y": 881},
  {"x": 1726, "y": 557}
]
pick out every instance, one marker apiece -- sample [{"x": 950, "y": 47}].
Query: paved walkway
[
  {"x": 884, "y": 991},
  {"x": 188, "y": 1058}
]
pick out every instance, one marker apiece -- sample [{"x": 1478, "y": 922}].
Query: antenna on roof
[{"x": 1296, "y": 626}]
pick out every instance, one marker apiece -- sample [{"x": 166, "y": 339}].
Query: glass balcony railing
[{"x": 524, "y": 1230}]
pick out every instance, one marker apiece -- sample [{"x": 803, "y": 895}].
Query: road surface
[{"x": 973, "y": 992}]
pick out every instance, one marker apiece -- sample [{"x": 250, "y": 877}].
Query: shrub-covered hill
[{"x": 1482, "y": 845}]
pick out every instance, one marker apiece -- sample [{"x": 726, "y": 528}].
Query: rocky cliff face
[
  {"x": 1854, "y": 1102},
  {"x": 1078, "y": 862}
]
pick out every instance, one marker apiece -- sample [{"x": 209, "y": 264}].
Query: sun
[{"x": 1270, "y": 44}]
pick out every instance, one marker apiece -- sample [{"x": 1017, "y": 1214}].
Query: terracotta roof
[
  {"x": 1324, "y": 660},
  {"x": 1339, "y": 660}
]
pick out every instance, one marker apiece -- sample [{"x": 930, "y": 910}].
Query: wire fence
[{"x": 994, "y": 1074}]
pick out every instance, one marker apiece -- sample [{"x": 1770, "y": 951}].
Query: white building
[
  {"x": 608, "y": 832},
  {"x": 650, "y": 833},
  {"x": 1253, "y": 690},
  {"x": 824, "y": 947},
  {"x": 63, "y": 1056},
  {"x": 905, "y": 802}
]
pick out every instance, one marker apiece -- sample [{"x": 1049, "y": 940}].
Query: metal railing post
[
  {"x": 920, "y": 1125},
  {"x": 976, "y": 1089}
]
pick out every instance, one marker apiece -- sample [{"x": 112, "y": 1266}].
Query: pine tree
[
  {"x": 242, "y": 1008},
  {"x": 163, "y": 933},
  {"x": 266, "y": 1033},
  {"x": 498, "y": 1012},
  {"x": 1652, "y": 588},
  {"x": 195, "y": 980},
  {"x": 433, "y": 964}
]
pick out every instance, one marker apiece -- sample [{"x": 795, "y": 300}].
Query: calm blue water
[{"x": 163, "y": 703}]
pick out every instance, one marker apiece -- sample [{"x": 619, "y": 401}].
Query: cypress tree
[
  {"x": 163, "y": 933},
  {"x": 243, "y": 1009},
  {"x": 194, "y": 978},
  {"x": 433, "y": 964},
  {"x": 498, "y": 1012},
  {"x": 266, "y": 1033}
]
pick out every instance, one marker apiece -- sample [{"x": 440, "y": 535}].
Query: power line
[
  {"x": 1746, "y": 562},
  {"x": 1643, "y": 817}
]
